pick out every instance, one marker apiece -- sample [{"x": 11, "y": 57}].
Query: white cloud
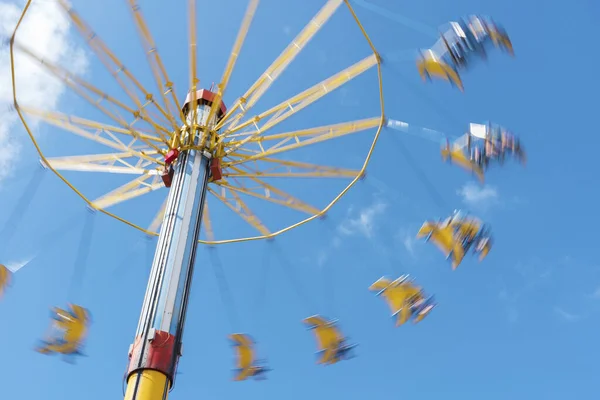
[
  {"x": 479, "y": 196},
  {"x": 408, "y": 239},
  {"x": 361, "y": 223},
  {"x": 567, "y": 316},
  {"x": 364, "y": 222},
  {"x": 46, "y": 31}
]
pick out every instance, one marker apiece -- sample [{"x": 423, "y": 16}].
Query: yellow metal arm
[
  {"x": 289, "y": 169},
  {"x": 258, "y": 89},
  {"x": 80, "y": 87},
  {"x": 237, "y": 46},
  {"x": 164, "y": 84},
  {"x": 317, "y": 135},
  {"x": 114, "y": 66},
  {"x": 289, "y": 107},
  {"x": 240, "y": 208},
  {"x": 267, "y": 192},
  {"x": 130, "y": 190}
]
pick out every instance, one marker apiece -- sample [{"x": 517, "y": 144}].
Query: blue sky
[{"x": 522, "y": 324}]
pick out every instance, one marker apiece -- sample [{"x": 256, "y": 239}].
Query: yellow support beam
[
  {"x": 258, "y": 89},
  {"x": 114, "y": 66},
  {"x": 238, "y": 206},
  {"x": 76, "y": 84},
  {"x": 193, "y": 80},
  {"x": 334, "y": 131},
  {"x": 302, "y": 100},
  {"x": 108, "y": 163},
  {"x": 63, "y": 120},
  {"x": 164, "y": 84},
  {"x": 128, "y": 191},
  {"x": 284, "y": 168},
  {"x": 237, "y": 47},
  {"x": 268, "y": 191}
]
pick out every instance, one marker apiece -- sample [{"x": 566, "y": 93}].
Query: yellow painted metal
[
  {"x": 78, "y": 125},
  {"x": 132, "y": 189},
  {"x": 82, "y": 88},
  {"x": 289, "y": 107},
  {"x": 112, "y": 162},
  {"x": 237, "y": 46},
  {"x": 238, "y": 206},
  {"x": 193, "y": 81},
  {"x": 247, "y": 153},
  {"x": 268, "y": 191},
  {"x": 164, "y": 84},
  {"x": 258, "y": 89},
  {"x": 114, "y": 66},
  {"x": 147, "y": 385},
  {"x": 320, "y": 134}
]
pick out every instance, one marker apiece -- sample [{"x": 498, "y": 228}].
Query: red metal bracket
[
  {"x": 215, "y": 169},
  {"x": 171, "y": 156},
  {"x": 167, "y": 176},
  {"x": 155, "y": 354}
]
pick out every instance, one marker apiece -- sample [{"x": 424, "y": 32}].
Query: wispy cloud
[
  {"x": 567, "y": 316},
  {"x": 46, "y": 31},
  {"x": 475, "y": 195},
  {"x": 531, "y": 274},
  {"x": 407, "y": 238},
  {"x": 363, "y": 221},
  {"x": 530, "y": 280}
]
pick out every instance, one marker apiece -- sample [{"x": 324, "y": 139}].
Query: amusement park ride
[{"x": 201, "y": 147}]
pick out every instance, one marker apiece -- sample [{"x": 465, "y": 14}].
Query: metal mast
[{"x": 154, "y": 355}]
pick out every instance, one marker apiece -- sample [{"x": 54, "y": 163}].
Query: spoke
[
  {"x": 128, "y": 191},
  {"x": 207, "y": 224},
  {"x": 77, "y": 85},
  {"x": 296, "y": 137},
  {"x": 266, "y": 192},
  {"x": 164, "y": 84},
  {"x": 237, "y": 47},
  {"x": 291, "y": 106},
  {"x": 158, "y": 218},
  {"x": 103, "y": 134},
  {"x": 331, "y": 132},
  {"x": 114, "y": 66},
  {"x": 256, "y": 91},
  {"x": 240, "y": 208},
  {"x": 111, "y": 163},
  {"x": 193, "y": 80},
  {"x": 287, "y": 169}
]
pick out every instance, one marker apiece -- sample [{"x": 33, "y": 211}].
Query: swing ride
[
  {"x": 475, "y": 151},
  {"x": 198, "y": 147},
  {"x": 459, "y": 46},
  {"x": 456, "y": 235},
  {"x": 481, "y": 145},
  {"x": 405, "y": 299},
  {"x": 68, "y": 331},
  {"x": 332, "y": 345},
  {"x": 247, "y": 365}
]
